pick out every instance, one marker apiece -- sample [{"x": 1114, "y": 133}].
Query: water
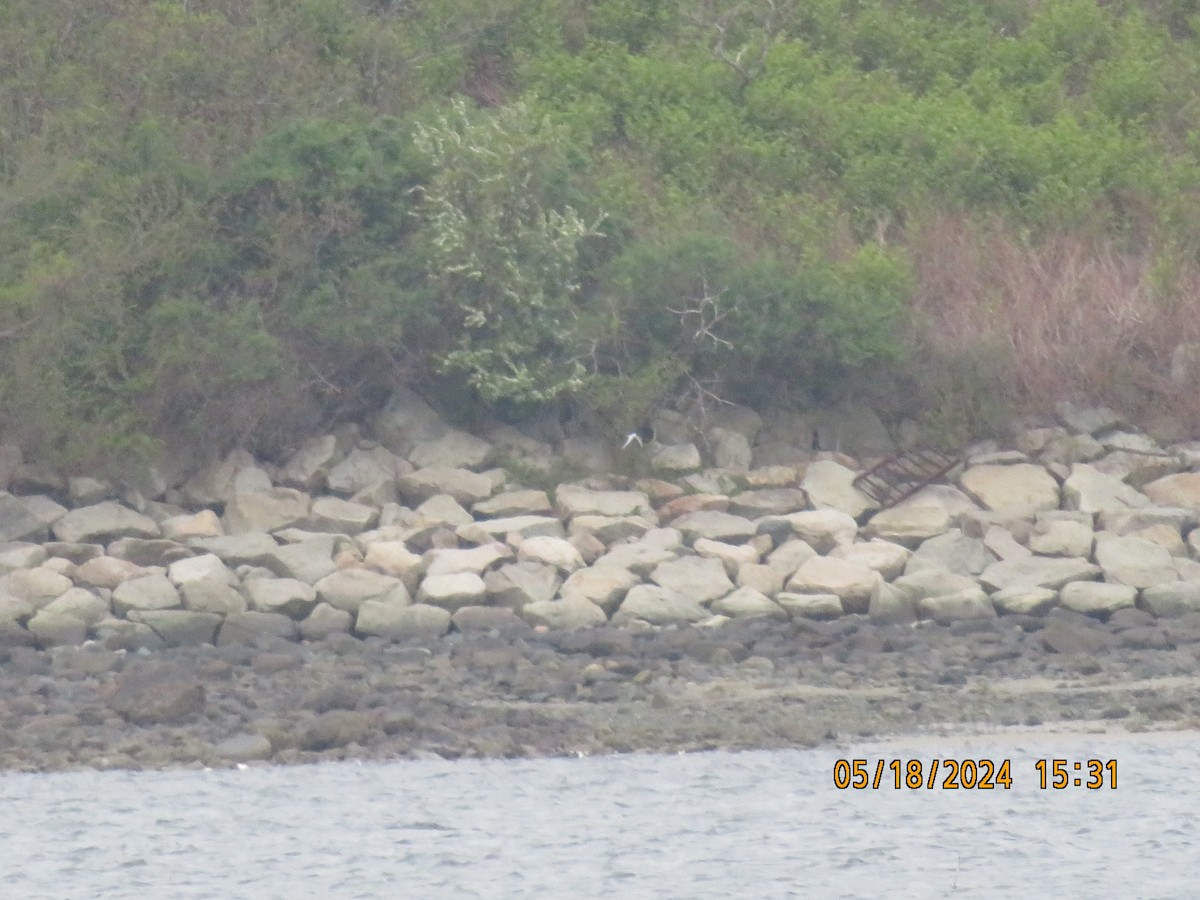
[{"x": 763, "y": 824}]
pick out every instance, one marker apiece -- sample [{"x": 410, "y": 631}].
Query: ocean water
[{"x": 758, "y": 824}]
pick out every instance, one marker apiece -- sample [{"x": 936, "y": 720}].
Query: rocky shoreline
[{"x": 397, "y": 589}]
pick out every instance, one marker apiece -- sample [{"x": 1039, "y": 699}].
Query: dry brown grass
[{"x": 1071, "y": 317}]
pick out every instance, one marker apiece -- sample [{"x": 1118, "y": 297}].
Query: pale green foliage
[{"x": 503, "y": 250}]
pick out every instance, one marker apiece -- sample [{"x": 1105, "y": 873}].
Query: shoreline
[{"x": 588, "y": 693}]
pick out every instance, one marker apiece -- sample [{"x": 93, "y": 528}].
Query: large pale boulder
[
  {"x": 854, "y": 583},
  {"x": 810, "y": 606},
  {"x": 1061, "y": 537},
  {"x": 674, "y": 459},
  {"x": 463, "y": 485},
  {"x": 265, "y": 511},
  {"x": 731, "y": 556},
  {"x": 696, "y": 578},
  {"x": 348, "y": 588},
  {"x": 792, "y": 554},
  {"x": 476, "y": 559},
  {"x": 514, "y": 503},
  {"x": 212, "y": 597},
  {"x": 1171, "y": 600},
  {"x": 1022, "y": 600},
  {"x": 147, "y": 592},
  {"x": 292, "y": 598},
  {"x": 821, "y": 529},
  {"x": 1095, "y": 598},
  {"x": 308, "y": 560},
  {"x": 251, "y": 627},
  {"x": 455, "y": 448},
  {"x": 730, "y": 449},
  {"x": 325, "y": 621},
  {"x": 573, "y": 500},
  {"x": 238, "y": 549},
  {"x": 830, "y": 485},
  {"x": 518, "y": 584},
  {"x": 604, "y": 586},
  {"x": 1020, "y": 489},
  {"x": 971, "y": 603},
  {"x": 1182, "y": 490},
  {"x": 747, "y": 603},
  {"x": 308, "y": 468},
  {"x": 488, "y": 530},
  {"x": 333, "y": 514},
  {"x": 933, "y": 583},
  {"x": 102, "y": 523},
  {"x": 1037, "y": 571},
  {"x": 363, "y": 468},
  {"x": 179, "y": 627},
  {"x": 202, "y": 524},
  {"x": 206, "y": 567},
  {"x": 551, "y": 551},
  {"x": 564, "y": 614},
  {"x": 1134, "y": 561},
  {"x": 714, "y": 525},
  {"x": 659, "y": 606},
  {"x": 640, "y": 557},
  {"x": 1090, "y": 490},
  {"x": 952, "y": 551},
  {"x": 394, "y": 558},
  {"x": 778, "y": 501},
  {"x": 406, "y": 421},
  {"x": 107, "y": 572},
  {"x": 18, "y": 522},
  {"x": 452, "y": 592},
  {"x": 611, "y": 529},
  {"x": 910, "y": 523}
]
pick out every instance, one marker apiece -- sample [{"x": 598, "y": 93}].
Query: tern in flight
[{"x": 642, "y": 435}]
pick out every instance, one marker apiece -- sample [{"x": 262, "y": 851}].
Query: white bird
[{"x": 643, "y": 435}]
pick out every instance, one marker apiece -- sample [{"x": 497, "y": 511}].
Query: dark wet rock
[
  {"x": 489, "y": 618},
  {"x": 248, "y": 627},
  {"x": 178, "y": 627},
  {"x": 153, "y": 693},
  {"x": 243, "y": 748},
  {"x": 336, "y": 728},
  {"x": 142, "y": 552}
]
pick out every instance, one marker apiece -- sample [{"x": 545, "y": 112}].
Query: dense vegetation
[{"x": 240, "y": 220}]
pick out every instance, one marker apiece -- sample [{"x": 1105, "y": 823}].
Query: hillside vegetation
[{"x": 239, "y": 220}]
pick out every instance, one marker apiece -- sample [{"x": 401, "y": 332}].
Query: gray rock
[
  {"x": 489, "y": 530},
  {"x": 212, "y": 597},
  {"x": 572, "y": 500},
  {"x": 1130, "y": 521},
  {"x": 336, "y": 728},
  {"x": 1181, "y": 490},
  {"x": 39, "y": 586},
  {"x": 1029, "y": 601},
  {"x": 551, "y": 551},
  {"x": 933, "y": 583},
  {"x": 1037, "y": 571},
  {"x": 514, "y": 503},
  {"x": 1134, "y": 561},
  {"x": 1001, "y": 544},
  {"x": 603, "y": 586},
  {"x": 1072, "y": 448},
  {"x": 1021, "y": 489},
  {"x": 1090, "y": 490},
  {"x": 1088, "y": 419},
  {"x": 267, "y": 511},
  {"x": 611, "y": 529},
  {"x": 730, "y": 449},
  {"x": 107, "y": 572},
  {"x": 308, "y": 561},
  {"x": 763, "y": 578},
  {"x": 792, "y": 554},
  {"x": 452, "y": 592},
  {"x": 830, "y": 485},
  {"x": 500, "y": 620},
  {"x": 442, "y": 509},
  {"x": 476, "y": 559},
  {"x": 767, "y": 502},
  {"x": 147, "y": 592},
  {"x": 250, "y": 627},
  {"x": 394, "y": 558},
  {"x": 178, "y": 627},
  {"x": 148, "y": 552},
  {"x": 238, "y": 549},
  {"x": 640, "y": 557},
  {"x": 121, "y": 634},
  {"x": 852, "y": 582},
  {"x": 1061, "y": 537},
  {"x": 731, "y": 556},
  {"x": 18, "y": 522},
  {"x": 362, "y": 469},
  {"x": 214, "y": 483},
  {"x": 406, "y": 421},
  {"x": 339, "y": 516},
  {"x": 892, "y": 607},
  {"x": 910, "y": 523},
  {"x": 385, "y": 618},
  {"x": 454, "y": 448},
  {"x": 243, "y": 748},
  {"x": 564, "y": 614},
  {"x": 348, "y": 589},
  {"x": 746, "y": 603},
  {"x": 952, "y": 552},
  {"x": 102, "y": 523},
  {"x": 1096, "y": 598},
  {"x": 21, "y": 555},
  {"x": 325, "y": 621},
  {"x": 1171, "y": 600},
  {"x": 153, "y": 693},
  {"x": 810, "y": 606},
  {"x": 463, "y": 485},
  {"x": 206, "y": 567},
  {"x": 516, "y": 585},
  {"x": 714, "y": 525},
  {"x": 292, "y": 598},
  {"x": 675, "y": 459},
  {"x": 698, "y": 579},
  {"x": 821, "y": 529},
  {"x": 586, "y": 453},
  {"x": 971, "y": 603},
  {"x": 308, "y": 468},
  {"x": 659, "y": 606}
]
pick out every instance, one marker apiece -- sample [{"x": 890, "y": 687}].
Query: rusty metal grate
[{"x": 900, "y": 476}]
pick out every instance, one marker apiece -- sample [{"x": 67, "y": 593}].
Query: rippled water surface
[{"x": 764, "y": 824}]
